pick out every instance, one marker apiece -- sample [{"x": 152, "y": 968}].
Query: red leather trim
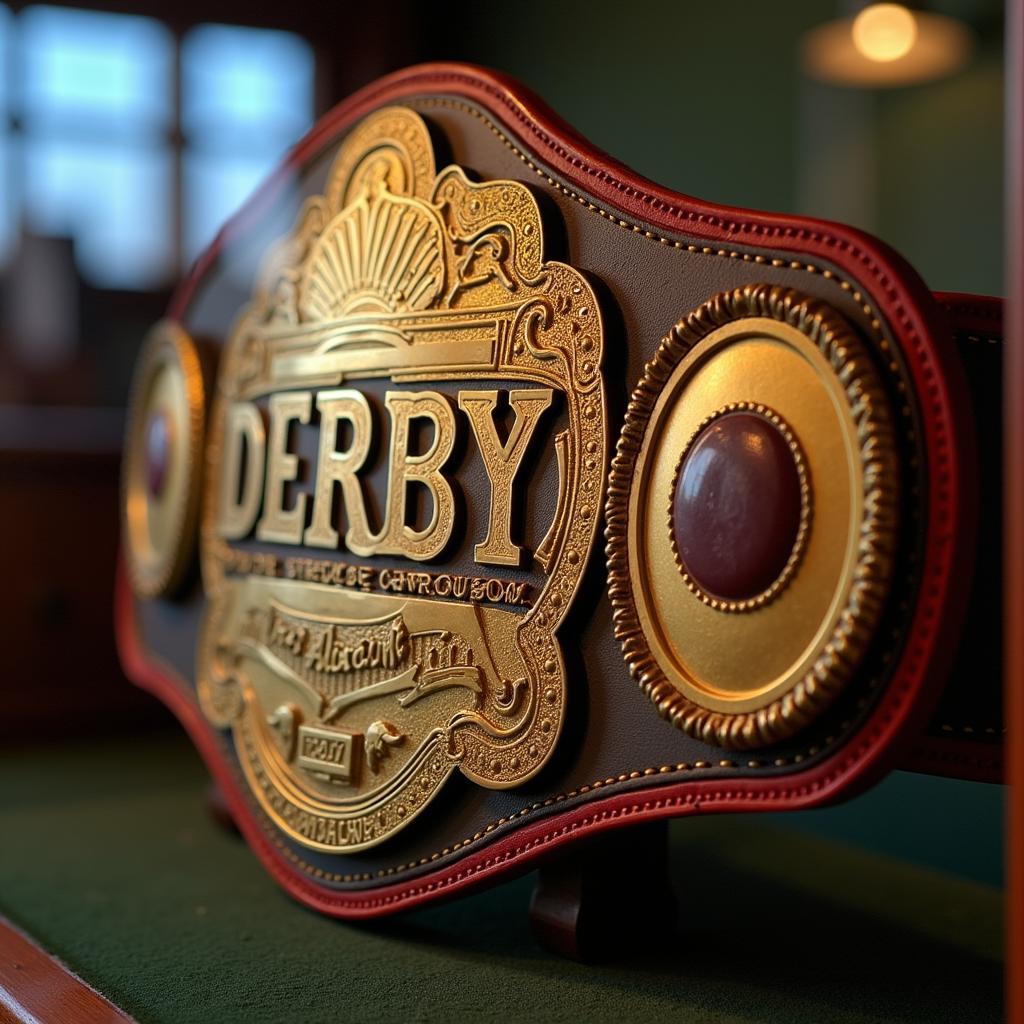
[{"x": 917, "y": 322}]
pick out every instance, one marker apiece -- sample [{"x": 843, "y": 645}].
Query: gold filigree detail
[
  {"x": 399, "y": 273},
  {"x": 839, "y": 654}
]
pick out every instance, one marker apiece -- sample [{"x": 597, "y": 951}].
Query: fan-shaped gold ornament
[{"x": 383, "y": 253}]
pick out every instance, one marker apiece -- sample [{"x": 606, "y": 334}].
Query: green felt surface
[{"x": 108, "y": 858}]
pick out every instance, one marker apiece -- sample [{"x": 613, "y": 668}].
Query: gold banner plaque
[{"x": 412, "y": 394}]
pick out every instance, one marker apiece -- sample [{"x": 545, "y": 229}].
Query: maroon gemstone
[
  {"x": 736, "y": 507},
  {"x": 158, "y": 453}
]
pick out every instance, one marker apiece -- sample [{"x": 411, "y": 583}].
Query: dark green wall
[
  {"x": 698, "y": 96},
  {"x": 709, "y": 99},
  {"x": 940, "y": 200}
]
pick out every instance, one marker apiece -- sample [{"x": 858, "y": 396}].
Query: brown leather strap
[{"x": 966, "y": 736}]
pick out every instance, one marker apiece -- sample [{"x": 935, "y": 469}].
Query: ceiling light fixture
[{"x": 886, "y": 45}]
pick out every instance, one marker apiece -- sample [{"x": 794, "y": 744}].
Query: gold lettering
[
  {"x": 397, "y": 536},
  {"x": 277, "y": 523},
  {"x": 239, "y": 500},
  {"x": 334, "y": 467},
  {"x": 502, "y": 462}
]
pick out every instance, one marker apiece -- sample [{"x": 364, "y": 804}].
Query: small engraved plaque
[{"x": 327, "y": 753}]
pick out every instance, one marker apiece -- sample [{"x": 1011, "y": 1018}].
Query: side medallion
[
  {"x": 404, "y": 479},
  {"x": 752, "y": 516},
  {"x": 163, "y": 462}
]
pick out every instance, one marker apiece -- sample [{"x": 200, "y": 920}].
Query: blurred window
[
  {"x": 247, "y": 94},
  {"x": 91, "y": 144},
  {"x": 113, "y": 200},
  {"x": 95, "y": 73},
  {"x": 7, "y": 212}
]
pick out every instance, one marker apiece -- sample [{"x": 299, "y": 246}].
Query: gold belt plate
[{"x": 356, "y": 665}]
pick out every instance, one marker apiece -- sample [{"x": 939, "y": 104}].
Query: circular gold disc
[
  {"x": 795, "y": 366},
  {"x": 163, "y": 457}
]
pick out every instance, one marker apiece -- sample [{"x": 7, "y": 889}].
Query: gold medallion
[
  {"x": 751, "y": 516},
  {"x": 163, "y": 462},
  {"x": 409, "y": 374}
]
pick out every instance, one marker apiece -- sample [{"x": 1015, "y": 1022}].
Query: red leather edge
[{"x": 915, "y": 319}]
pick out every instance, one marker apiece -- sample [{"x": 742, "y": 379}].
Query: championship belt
[{"x": 481, "y": 496}]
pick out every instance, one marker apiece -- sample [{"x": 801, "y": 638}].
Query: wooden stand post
[{"x": 605, "y": 894}]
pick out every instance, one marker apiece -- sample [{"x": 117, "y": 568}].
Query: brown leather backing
[{"x": 967, "y": 733}]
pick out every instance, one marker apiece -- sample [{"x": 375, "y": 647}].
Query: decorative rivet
[{"x": 736, "y": 506}]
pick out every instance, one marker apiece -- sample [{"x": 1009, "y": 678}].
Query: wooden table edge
[{"x": 36, "y": 988}]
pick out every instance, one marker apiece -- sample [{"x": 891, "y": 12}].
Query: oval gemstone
[
  {"x": 158, "y": 453},
  {"x": 736, "y": 507}
]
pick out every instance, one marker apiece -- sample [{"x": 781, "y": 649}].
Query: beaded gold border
[
  {"x": 840, "y": 654},
  {"x": 776, "y": 587}
]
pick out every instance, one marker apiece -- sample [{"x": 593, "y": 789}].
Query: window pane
[
  {"x": 245, "y": 86},
  {"x": 215, "y": 186},
  {"x": 7, "y": 209},
  {"x": 111, "y": 70},
  {"x": 6, "y": 53},
  {"x": 114, "y": 201}
]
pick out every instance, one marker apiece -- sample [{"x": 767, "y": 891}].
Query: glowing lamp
[{"x": 886, "y": 45}]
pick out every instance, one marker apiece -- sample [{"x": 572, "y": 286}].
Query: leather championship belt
[{"x": 481, "y": 496}]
